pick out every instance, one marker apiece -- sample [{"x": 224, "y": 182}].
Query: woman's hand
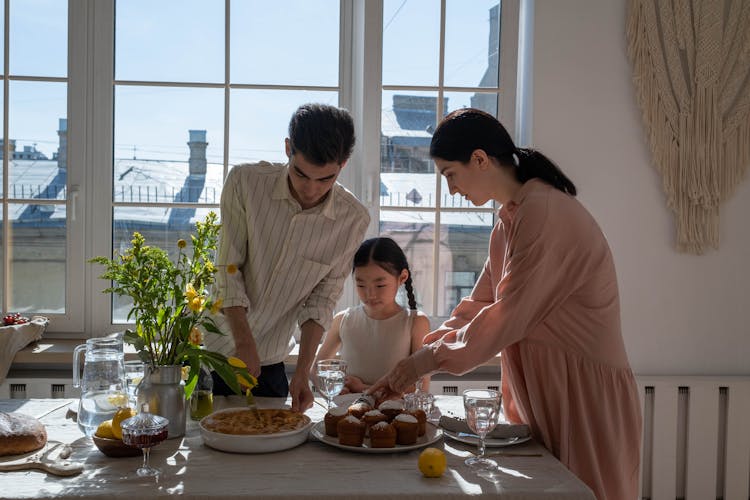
[{"x": 446, "y": 336}]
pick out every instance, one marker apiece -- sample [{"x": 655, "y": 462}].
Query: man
[{"x": 291, "y": 232}]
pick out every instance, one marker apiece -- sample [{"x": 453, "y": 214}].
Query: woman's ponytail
[{"x": 533, "y": 164}]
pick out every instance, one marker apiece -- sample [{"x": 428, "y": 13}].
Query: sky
[{"x": 293, "y": 42}]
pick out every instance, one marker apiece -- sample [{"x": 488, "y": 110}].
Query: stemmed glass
[
  {"x": 482, "y": 412},
  {"x": 144, "y": 431},
  {"x": 331, "y": 374}
]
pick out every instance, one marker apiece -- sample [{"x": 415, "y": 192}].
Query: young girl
[{"x": 375, "y": 335}]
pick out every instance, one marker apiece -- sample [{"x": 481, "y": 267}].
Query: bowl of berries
[{"x": 14, "y": 319}]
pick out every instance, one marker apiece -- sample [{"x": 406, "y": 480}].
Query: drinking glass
[
  {"x": 482, "y": 412},
  {"x": 134, "y": 370},
  {"x": 145, "y": 431},
  {"x": 331, "y": 374}
]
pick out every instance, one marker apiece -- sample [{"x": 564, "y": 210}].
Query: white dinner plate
[
  {"x": 431, "y": 435},
  {"x": 488, "y": 442},
  {"x": 346, "y": 399}
]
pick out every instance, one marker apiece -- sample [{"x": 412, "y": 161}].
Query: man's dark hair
[{"x": 322, "y": 133}]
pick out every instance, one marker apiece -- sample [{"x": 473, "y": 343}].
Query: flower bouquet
[{"x": 171, "y": 302}]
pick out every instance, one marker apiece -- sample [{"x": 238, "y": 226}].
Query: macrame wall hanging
[{"x": 691, "y": 68}]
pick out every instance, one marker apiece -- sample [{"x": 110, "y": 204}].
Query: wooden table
[{"x": 313, "y": 470}]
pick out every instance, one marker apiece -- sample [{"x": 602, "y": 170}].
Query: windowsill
[{"x": 58, "y": 353}]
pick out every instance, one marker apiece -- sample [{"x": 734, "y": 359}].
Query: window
[
  {"x": 119, "y": 118},
  {"x": 437, "y": 57},
  {"x": 36, "y": 243}
]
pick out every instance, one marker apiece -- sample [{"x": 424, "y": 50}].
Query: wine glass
[
  {"x": 145, "y": 431},
  {"x": 482, "y": 412},
  {"x": 331, "y": 374}
]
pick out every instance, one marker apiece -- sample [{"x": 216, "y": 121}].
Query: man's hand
[
  {"x": 246, "y": 352},
  {"x": 299, "y": 389},
  {"x": 244, "y": 343}
]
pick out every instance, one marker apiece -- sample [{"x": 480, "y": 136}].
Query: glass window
[
  {"x": 140, "y": 108},
  {"x": 35, "y": 246},
  {"x": 417, "y": 93}
]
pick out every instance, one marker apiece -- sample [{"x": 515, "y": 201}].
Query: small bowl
[{"x": 115, "y": 448}]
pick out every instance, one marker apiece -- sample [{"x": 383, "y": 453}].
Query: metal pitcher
[{"x": 103, "y": 384}]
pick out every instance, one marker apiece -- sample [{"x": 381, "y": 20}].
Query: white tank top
[{"x": 371, "y": 347}]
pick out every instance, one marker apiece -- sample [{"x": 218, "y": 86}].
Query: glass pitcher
[{"x": 103, "y": 384}]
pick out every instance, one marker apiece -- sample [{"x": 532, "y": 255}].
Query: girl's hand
[{"x": 354, "y": 384}]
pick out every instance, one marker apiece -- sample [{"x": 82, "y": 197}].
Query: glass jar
[{"x": 202, "y": 399}]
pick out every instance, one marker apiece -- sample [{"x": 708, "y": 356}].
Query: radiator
[{"x": 696, "y": 437}]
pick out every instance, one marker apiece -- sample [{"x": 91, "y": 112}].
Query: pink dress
[{"x": 547, "y": 299}]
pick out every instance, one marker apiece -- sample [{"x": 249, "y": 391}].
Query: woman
[{"x": 547, "y": 300}]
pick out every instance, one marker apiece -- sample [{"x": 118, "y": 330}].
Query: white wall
[{"x": 681, "y": 314}]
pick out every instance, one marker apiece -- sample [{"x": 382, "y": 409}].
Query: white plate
[
  {"x": 431, "y": 435},
  {"x": 346, "y": 399},
  {"x": 488, "y": 442},
  {"x": 265, "y": 443}
]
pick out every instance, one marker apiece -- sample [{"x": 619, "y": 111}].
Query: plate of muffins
[{"x": 389, "y": 428}]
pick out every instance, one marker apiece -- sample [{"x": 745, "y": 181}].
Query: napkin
[
  {"x": 13, "y": 338},
  {"x": 501, "y": 431}
]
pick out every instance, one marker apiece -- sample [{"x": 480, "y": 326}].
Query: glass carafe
[{"x": 103, "y": 384}]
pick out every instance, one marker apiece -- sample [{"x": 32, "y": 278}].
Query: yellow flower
[
  {"x": 185, "y": 372},
  {"x": 251, "y": 382},
  {"x": 181, "y": 243},
  {"x": 209, "y": 267},
  {"x": 231, "y": 269},
  {"x": 197, "y": 303},
  {"x": 190, "y": 292},
  {"x": 216, "y": 306},
  {"x": 196, "y": 336},
  {"x": 236, "y": 362}
]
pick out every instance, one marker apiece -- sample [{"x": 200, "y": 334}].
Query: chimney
[
  {"x": 62, "y": 148},
  {"x": 197, "y": 146}
]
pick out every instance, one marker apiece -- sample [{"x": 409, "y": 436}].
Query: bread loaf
[{"x": 20, "y": 433}]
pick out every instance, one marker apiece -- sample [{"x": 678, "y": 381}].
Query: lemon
[
  {"x": 122, "y": 414},
  {"x": 432, "y": 462},
  {"x": 105, "y": 430}
]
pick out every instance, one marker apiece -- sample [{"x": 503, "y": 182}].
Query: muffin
[
  {"x": 407, "y": 428},
  {"x": 351, "y": 431},
  {"x": 391, "y": 408},
  {"x": 359, "y": 409},
  {"x": 382, "y": 435},
  {"x": 332, "y": 418},
  {"x": 372, "y": 417},
  {"x": 421, "y": 417}
]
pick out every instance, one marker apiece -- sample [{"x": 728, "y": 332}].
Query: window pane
[
  {"x": 472, "y": 34},
  {"x": 486, "y": 101},
  {"x": 39, "y": 38},
  {"x": 407, "y": 122},
  {"x": 464, "y": 241},
  {"x": 411, "y": 42},
  {"x": 38, "y": 140},
  {"x": 38, "y": 243},
  {"x": 415, "y": 233},
  {"x": 292, "y": 42},
  {"x": 170, "y": 40},
  {"x": 259, "y": 120},
  {"x": 154, "y": 124},
  {"x": 158, "y": 229},
  {"x": 407, "y": 190}
]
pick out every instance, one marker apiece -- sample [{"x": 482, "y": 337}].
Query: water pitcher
[{"x": 103, "y": 384}]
